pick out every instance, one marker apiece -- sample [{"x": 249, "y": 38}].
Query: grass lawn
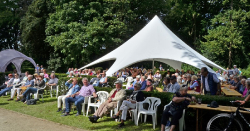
[{"x": 47, "y": 110}]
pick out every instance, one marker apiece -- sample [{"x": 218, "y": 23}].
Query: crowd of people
[{"x": 143, "y": 80}]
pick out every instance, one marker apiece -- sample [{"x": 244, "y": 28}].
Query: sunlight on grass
[{"x": 47, "y": 110}]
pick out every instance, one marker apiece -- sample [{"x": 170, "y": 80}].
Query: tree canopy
[{"x": 71, "y": 33}]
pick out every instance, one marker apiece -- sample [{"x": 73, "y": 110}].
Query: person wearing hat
[
  {"x": 179, "y": 102},
  {"x": 115, "y": 95},
  {"x": 174, "y": 87},
  {"x": 7, "y": 83},
  {"x": 130, "y": 103},
  {"x": 157, "y": 75}
]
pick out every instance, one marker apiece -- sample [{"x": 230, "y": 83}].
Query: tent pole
[{"x": 153, "y": 64}]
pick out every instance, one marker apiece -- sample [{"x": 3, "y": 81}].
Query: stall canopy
[
  {"x": 12, "y": 56},
  {"x": 154, "y": 42}
]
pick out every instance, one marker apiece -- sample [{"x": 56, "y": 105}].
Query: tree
[
  {"x": 11, "y": 12},
  {"x": 32, "y": 28},
  {"x": 225, "y": 37},
  {"x": 81, "y": 30}
]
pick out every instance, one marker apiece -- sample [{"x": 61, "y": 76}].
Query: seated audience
[
  {"x": 72, "y": 89},
  {"x": 137, "y": 80},
  {"x": 174, "y": 87},
  {"x": 25, "y": 78},
  {"x": 136, "y": 96},
  {"x": 237, "y": 84},
  {"x": 38, "y": 84},
  {"x": 166, "y": 84},
  {"x": 231, "y": 80},
  {"x": 115, "y": 95},
  {"x": 149, "y": 86},
  {"x": 52, "y": 81},
  {"x": 78, "y": 97},
  {"x": 247, "y": 89},
  {"x": 143, "y": 83},
  {"x": 7, "y": 83},
  {"x": 68, "y": 71},
  {"x": 243, "y": 86},
  {"x": 195, "y": 85},
  {"x": 70, "y": 75},
  {"x": 90, "y": 73},
  {"x": 180, "y": 101},
  {"x": 224, "y": 75},
  {"x": 102, "y": 81},
  {"x": 157, "y": 76},
  {"x": 9, "y": 87}
]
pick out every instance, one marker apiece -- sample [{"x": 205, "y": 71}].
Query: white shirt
[
  {"x": 70, "y": 91},
  {"x": 16, "y": 81},
  {"x": 216, "y": 80}
]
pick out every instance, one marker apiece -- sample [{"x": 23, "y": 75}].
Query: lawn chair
[
  {"x": 152, "y": 109},
  {"x": 102, "y": 96},
  {"x": 39, "y": 92}
]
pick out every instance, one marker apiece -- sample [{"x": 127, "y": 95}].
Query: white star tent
[
  {"x": 12, "y": 56},
  {"x": 155, "y": 42}
]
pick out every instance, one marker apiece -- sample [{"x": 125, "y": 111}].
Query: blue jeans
[
  {"x": 5, "y": 90},
  {"x": 78, "y": 103},
  {"x": 28, "y": 91}
]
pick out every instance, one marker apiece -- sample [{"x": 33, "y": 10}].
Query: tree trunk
[
  {"x": 230, "y": 56},
  {"x": 230, "y": 44}
]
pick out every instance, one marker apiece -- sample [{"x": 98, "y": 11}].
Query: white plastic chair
[
  {"x": 114, "y": 111},
  {"x": 15, "y": 86},
  {"x": 152, "y": 109},
  {"x": 181, "y": 120},
  {"x": 134, "y": 114},
  {"x": 51, "y": 90},
  {"x": 85, "y": 103},
  {"x": 102, "y": 96},
  {"x": 36, "y": 95}
]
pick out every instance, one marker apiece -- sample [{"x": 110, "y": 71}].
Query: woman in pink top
[
  {"x": 45, "y": 73},
  {"x": 245, "y": 92}
]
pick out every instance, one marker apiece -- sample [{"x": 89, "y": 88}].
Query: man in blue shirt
[
  {"x": 210, "y": 83},
  {"x": 29, "y": 83}
]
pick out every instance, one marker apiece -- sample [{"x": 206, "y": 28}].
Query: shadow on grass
[{"x": 4, "y": 103}]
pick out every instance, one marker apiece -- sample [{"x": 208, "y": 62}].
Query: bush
[
  {"x": 246, "y": 72},
  {"x": 31, "y": 70}
]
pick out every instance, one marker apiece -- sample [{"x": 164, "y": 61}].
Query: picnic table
[
  {"x": 193, "y": 92},
  {"x": 198, "y": 107},
  {"x": 230, "y": 92}
]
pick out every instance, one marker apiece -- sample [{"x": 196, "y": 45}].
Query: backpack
[{"x": 32, "y": 101}]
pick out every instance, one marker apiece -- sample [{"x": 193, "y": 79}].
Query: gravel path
[{"x": 14, "y": 121}]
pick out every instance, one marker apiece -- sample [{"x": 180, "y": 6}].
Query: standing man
[
  {"x": 235, "y": 70},
  {"x": 115, "y": 95},
  {"x": 209, "y": 82},
  {"x": 37, "y": 69},
  {"x": 161, "y": 68},
  {"x": 78, "y": 97}
]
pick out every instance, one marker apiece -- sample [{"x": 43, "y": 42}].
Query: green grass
[{"x": 47, "y": 110}]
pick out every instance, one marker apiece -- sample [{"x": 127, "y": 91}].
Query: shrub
[{"x": 31, "y": 70}]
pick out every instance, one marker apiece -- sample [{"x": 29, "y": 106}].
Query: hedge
[{"x": 31, "y": 70}]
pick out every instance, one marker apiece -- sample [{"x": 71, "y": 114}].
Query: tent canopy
[
  {"x": 155, "y": 42},
  {"x": 12, "y": 56}
]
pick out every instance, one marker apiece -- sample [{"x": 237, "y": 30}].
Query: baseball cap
[{"x": 118, "y": 82}]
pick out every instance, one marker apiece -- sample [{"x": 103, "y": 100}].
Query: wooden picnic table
[
  {"x": 193, "y": 92},
  {"x": 225, "y": 85},
  {"x": 230, "y": 92},
  {"x": 198, "y": 107}
]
